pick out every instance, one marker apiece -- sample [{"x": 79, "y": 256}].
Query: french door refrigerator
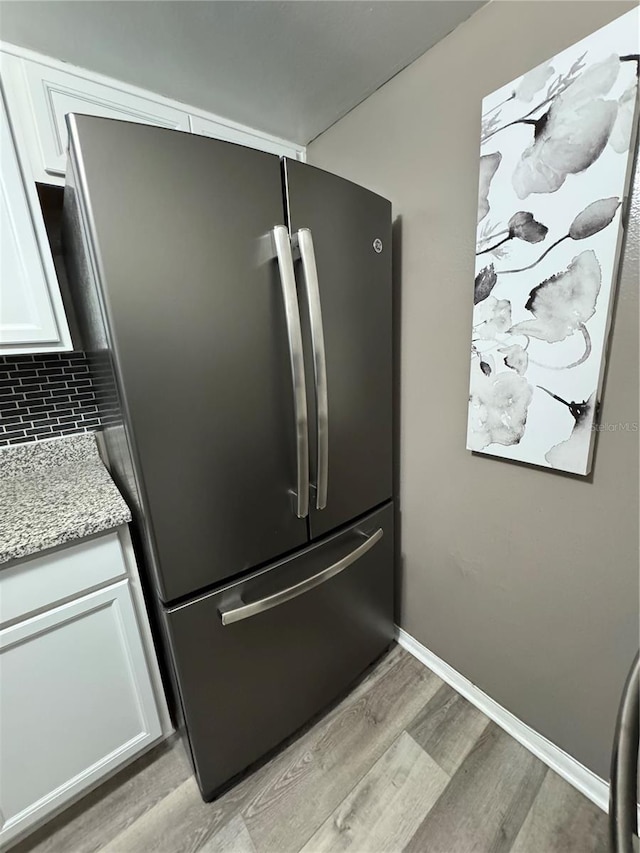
[{"x": 243, "y": 306}]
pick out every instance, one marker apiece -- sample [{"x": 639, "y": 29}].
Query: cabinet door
[
  {"x": 54, "y": 93},
  {"x": 31, "y": 312},
  {"x": 75, "y": 703}
]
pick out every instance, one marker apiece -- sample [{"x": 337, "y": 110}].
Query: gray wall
[{"x": 524, "y": 580}]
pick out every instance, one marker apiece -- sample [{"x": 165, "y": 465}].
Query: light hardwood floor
[{"x": 402, "y": 763}]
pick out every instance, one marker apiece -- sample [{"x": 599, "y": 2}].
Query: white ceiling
[{"x": 287, "y": 68}]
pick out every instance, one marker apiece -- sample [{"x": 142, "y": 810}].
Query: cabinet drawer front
[
  {"x": 42, "y": 582},
  {"x": 75, "y": 703},
  {"x": 55, "y": 93},
  {"x": 250, "y": 683}
]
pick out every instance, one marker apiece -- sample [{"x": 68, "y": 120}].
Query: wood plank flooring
[{"x": 403, "y": 763}]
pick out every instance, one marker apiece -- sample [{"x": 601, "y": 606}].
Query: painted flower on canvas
[
  {"x": 554, "y": 169},
  {"x": 572, "y": 133},
  {"x": 498, "y": 406}
]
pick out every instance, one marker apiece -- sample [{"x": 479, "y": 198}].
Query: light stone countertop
[{"x": 52, "y": 492}]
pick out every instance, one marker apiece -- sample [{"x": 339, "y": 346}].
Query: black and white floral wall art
[{"x": 555, "y": 166}]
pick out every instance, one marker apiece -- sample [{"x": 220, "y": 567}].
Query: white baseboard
[{"x": 576, "y": 774}]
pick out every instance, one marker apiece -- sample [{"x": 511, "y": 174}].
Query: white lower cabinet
[{"x": 76, "y": 701}]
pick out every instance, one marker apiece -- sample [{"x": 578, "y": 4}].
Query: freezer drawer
[{"x": 296, "y": 635}]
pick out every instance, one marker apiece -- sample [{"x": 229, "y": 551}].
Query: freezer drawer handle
[
  {"x": 310, "y": 271},
  {"x": 292, "y": 315},
  {"x": 235, "y": 614}
]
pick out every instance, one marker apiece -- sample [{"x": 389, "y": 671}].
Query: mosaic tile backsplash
[{"x": 47, "y": 395}]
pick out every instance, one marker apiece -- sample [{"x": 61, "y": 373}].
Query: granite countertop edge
[
  {"x": 62, "y": 537},
  {"x": 55, "y": 492}
]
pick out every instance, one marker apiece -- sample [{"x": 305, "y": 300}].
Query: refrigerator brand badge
[{"x": 377, "y": 245}]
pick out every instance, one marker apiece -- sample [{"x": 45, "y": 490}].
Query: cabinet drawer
[
  {"x": 296, "y": 636},
  {"x": 42, "y": 582}
]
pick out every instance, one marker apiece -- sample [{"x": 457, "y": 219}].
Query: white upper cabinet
[
  {"x": 38, "y": 94},
  {"x": 41, "y": 91},
  {"x": 47, "y": 94},
  {"x": 204, "y": 126},
  {"x": 32, "y": 316}
]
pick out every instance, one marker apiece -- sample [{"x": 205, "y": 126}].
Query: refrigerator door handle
[
  {"x": 304, "y": 240},
  {"x": 292, "y": 314},
  {"x": 228, "y": 615},
  {"x": 623, "y": 814}
]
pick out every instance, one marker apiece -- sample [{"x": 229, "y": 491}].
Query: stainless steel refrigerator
[{"x": 243, "y": 306}]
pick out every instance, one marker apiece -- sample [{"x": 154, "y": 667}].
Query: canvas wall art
[{"x": 555, "y": 166}]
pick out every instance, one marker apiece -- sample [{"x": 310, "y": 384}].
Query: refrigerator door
[
  {"x": 350, "y": 231},
  {"x": 180, "y": 238},
  {"x": 257, "y": 660}
]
